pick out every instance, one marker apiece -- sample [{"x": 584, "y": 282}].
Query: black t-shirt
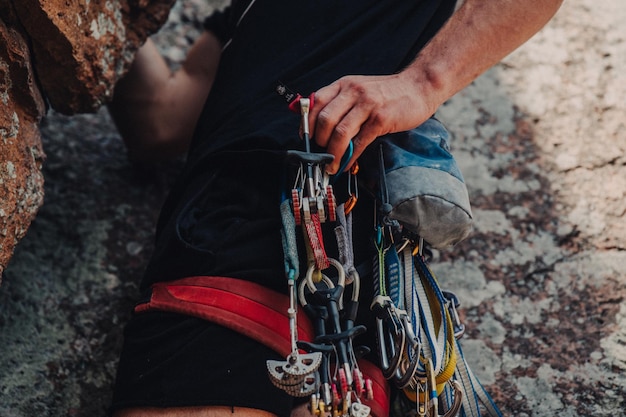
[
  {"x": 306, "y": 44},
  {"x": 222, "y": 217}
]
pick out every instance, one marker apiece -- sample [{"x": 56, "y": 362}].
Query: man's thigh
[
  {"x": 213, "y": 411},
  {"x": 300, "y": 411}
]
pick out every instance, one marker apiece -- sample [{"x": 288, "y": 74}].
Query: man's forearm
[{"x": 479, "y": 35}]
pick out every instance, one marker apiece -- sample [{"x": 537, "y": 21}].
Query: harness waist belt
[{"x": 253, "y": 310}]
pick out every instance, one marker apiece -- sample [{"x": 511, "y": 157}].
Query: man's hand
[{"x": 362, "y": 108}]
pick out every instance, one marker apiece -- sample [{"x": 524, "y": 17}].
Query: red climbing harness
[{"x": 252, "y": 310}]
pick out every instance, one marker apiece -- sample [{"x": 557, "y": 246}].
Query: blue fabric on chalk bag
[{"x": 424, "y": 185}]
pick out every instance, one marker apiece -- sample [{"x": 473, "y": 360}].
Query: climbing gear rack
[
  {"x": 417, "y": 325},
  {"x": 326, "y": 369}
]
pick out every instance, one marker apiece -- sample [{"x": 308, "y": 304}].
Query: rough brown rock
[
  {"x": 81, "y": 48},
  {"x": 21, "y": 155},
  {"x": 67, "y": 53}
]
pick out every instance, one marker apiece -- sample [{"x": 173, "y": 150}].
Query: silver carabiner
[
  {"x": 341, "y": 275},
  {"x": 452, "y": 303},
  {"x": 390, "y": 334}
]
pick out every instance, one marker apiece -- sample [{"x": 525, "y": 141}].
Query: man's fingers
[
  {"x": 368, "y": 134},
  {"x": 343, "y": 132},
  {"x": 330, "y": 120},
  {"x": 362, "y": 140}
]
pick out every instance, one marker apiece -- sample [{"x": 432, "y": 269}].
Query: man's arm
[
  {"x": 475, "y": 38},
  {"x": 156, "y": 110}
]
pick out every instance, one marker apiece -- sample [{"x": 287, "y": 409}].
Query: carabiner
[
  {"x": 344, "y": 161},
  {"x": 353, "y": 194},
  {"x": 341, "y": 276},
  {"x": 410, "y": 361},
  {"x": 390, "y": 334},
  {"x": 452, "y": 302},
  {"x": 458, "y": 400}
]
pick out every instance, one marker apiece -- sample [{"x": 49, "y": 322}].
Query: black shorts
[{"x": 172, "y": 360}]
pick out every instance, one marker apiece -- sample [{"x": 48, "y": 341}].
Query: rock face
[
  {"x": 21, "y": 181},
  {"x": 66, "y": 53}
]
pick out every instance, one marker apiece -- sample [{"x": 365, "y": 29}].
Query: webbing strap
[
  {"x": 343, "y": 234},
  {"x": 473, "y": 391},
  {"x": 288, "y": 235},
  {"x": 435, "y": 319},
  {"x": 314, "y": 233},
  {"x": 455, "y": 365},
  {"x": 252, "y": 310}
]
